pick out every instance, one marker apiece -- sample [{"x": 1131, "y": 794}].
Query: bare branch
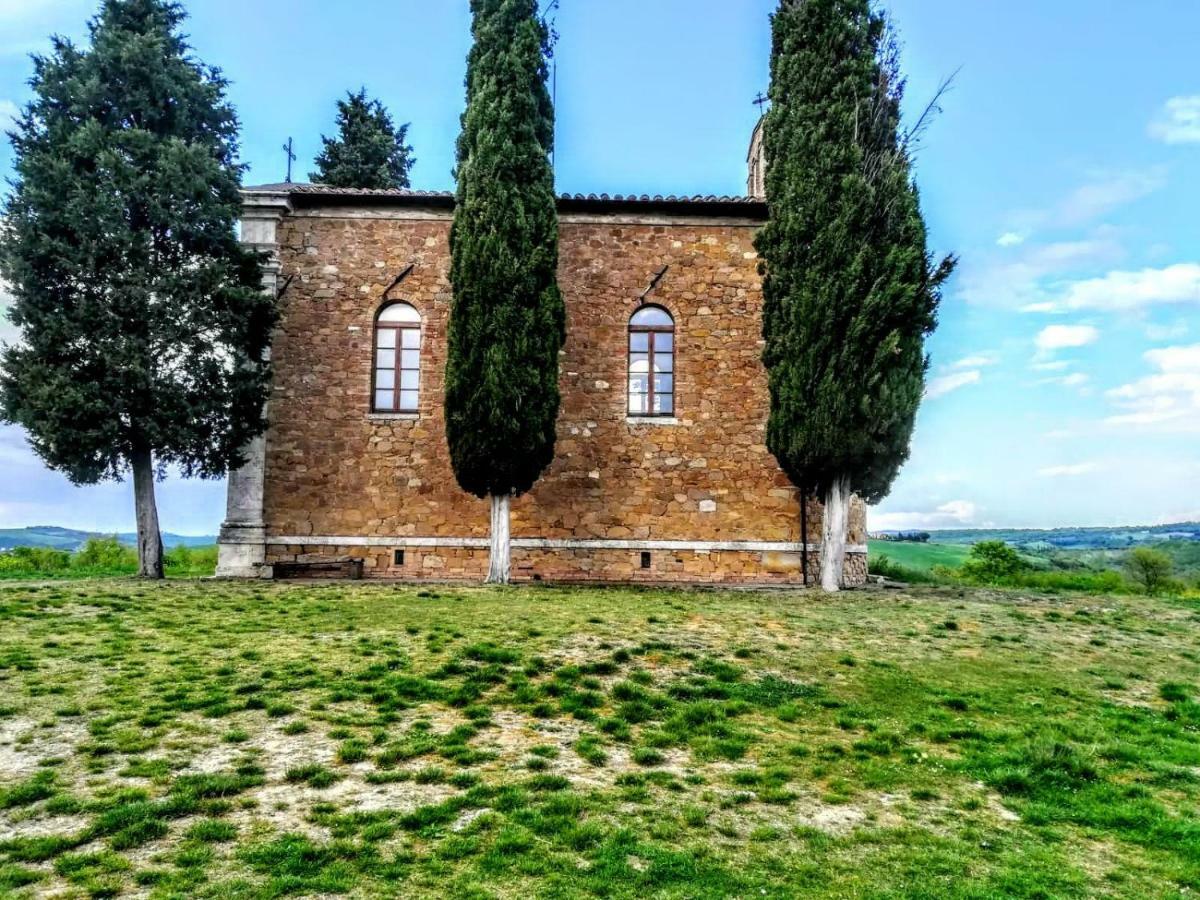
[{"x": 911, "y": 138}]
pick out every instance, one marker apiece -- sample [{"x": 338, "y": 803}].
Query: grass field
[
  {"x": 260, "y": 740},
  {"x": 921, "y": 557}
]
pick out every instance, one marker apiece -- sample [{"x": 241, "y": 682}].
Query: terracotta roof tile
[{"x": 324, "y": 190}]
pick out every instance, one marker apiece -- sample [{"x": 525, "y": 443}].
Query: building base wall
[
  {"x": 584, "y": 565},
  {"x": 241, "y": 551}
]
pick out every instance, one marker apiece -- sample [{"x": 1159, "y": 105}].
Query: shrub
[
  {"x": 991, "y": 562},
  {"x": 1150, "y": 569},
  {"x": 34, "y": 561},
  {"x": 107, "y": 554}
]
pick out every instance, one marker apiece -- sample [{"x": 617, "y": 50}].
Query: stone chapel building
[{"x": 661, "y": 471}]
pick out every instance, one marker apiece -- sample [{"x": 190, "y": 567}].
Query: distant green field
[{"x": 921, "y": 557}]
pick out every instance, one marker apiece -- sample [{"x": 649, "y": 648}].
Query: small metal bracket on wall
[
  {"x": 287, "y": 282},
  {"x": 399, "y": 278},
  {"x": 653, "y": 284}
]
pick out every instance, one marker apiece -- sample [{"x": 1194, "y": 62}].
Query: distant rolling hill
[
  {"x": 1044, "y": 539},
  {"x": 70, "y": 539}
]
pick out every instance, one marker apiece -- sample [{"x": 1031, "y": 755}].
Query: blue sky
[{"x": 1065, "y": 386}]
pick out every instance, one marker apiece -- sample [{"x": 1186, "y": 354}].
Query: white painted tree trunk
[
  {"x": 498, "y": 567},
  {"x": 833, "y": 538},
  {"x": 149, "y": 539}
]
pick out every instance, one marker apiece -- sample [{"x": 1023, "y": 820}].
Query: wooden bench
[{"x": 339, "y": 567}]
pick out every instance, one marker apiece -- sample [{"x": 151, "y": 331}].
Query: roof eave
[{"x": 306, "y": 196}]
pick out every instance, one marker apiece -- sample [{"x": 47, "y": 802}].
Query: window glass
[
  {"x": 651, "y": 362},
  {"x": 399, "y": 312},
  {"x": 652, "y": 316},
  {"x": 397, "y": 359}
]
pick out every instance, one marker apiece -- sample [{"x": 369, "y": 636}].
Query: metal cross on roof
[{"x": 291, "y": 158}]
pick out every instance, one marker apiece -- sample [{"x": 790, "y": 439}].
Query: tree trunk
[
  {"x": 149, "y": 539},
  {"x": 804, "y": 534},
  {"x": 499, "y": 564},
  {"x": 833, "y": 540}
]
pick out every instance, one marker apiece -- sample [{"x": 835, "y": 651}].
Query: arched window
[
  {"x": 651, "y": 362},
  {"x": 397, "y": 359}
]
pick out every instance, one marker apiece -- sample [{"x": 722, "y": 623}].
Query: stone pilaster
[{"x": 242, "y": 544}]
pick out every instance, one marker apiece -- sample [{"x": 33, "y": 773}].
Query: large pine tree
[
  {"x": 369, "y": 151},
  {"x": 850, "y": 290},
  {"x": 507, "y": 321},
  {"x": 142, "y": 324}
]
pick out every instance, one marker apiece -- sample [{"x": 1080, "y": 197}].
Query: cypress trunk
[
  {"x": 499, "y": 564},
  {"x": 149, "y": 538},
  {"x": 833, "y": 540}
]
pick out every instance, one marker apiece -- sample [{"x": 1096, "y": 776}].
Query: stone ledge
[
  {"x": 520, "y": 543},
  {"x": 653, "y": 420}
]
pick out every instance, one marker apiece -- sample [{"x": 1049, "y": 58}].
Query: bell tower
[{"x": 756, "y": 163}]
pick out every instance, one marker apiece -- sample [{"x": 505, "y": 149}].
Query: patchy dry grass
[{"x": 259, "y": 740}]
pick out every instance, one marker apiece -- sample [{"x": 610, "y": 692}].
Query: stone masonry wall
[{"x": 334, "y": 470}]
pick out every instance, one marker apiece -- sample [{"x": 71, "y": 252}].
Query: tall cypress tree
[
  {"x": 850, "y": 290},
  {"x": 507, "y": 321},
  {"x": 369, "y": 151},
  {"x": 133, "y": 298}
]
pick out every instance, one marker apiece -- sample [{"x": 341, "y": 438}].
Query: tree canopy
[
  {"x": 141, "y": 320},
  {"x": 507, "y": 320},
  {"x": 850, "y": 288},
  {"x": 369, "y": 151}
]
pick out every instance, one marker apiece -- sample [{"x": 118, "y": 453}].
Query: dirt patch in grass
[{"x": 343, "y": 739}]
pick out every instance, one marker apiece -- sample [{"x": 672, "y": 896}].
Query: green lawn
[
  {"x": 259, "y": 740},
  {"x": 920, "y": 557}
]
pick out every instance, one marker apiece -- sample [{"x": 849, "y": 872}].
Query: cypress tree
[
  {"x": 850, "y": 290},
  {"x": 507, "y": 321},
  {"x": 369, "y": 151},
  {"x": 132, "y": 296}
]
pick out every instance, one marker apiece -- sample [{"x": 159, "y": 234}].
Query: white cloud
[
  {"x": 1169, "y": 399},
  {"x": 1052, "y": 365},
  {"x": 9, "y": 112},
  {"x": 974, "y": 362},
  {"x": 1074, "y": 379},
  {"x": 1069, "y": 471},
  {"x": 1057, "y": 337},
  {"x": 1124, "y": 291},
  {"x": 944, "y": 384},
  {"x": 953, "y": 514},
  {"x": 1011, "y": 239},
  {"x": 1167, "y": 332},
  {"x": 1178, "y": 122},
  {"x": 1175, "y": 359},
  {"x": 1028, "y": 279},
  {"x": 1105, "y": 192}
]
